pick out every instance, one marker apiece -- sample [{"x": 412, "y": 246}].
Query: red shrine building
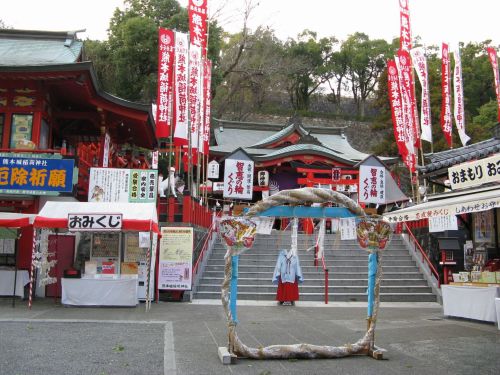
[
  {"x": 294, "y": 155},
  {"x": 56, "y": 123}
]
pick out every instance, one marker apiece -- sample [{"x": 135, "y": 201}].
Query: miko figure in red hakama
[{"x": 288, "y": 275}]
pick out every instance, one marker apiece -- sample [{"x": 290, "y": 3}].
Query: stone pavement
[{"x": 182, "y": 339}]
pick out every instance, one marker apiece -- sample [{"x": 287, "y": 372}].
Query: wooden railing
[{"x": 425, "y": 258}]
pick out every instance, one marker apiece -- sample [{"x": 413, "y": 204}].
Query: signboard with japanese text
[
  {"x": 458, "y": 208},
  {"x": 218, "y": 186},
  {"x": 122, "y": 185},
  {"x": 347, "y": 228},
  {"x": 263, "y": 178},
  {"x": 94, "y": 222},
  {"x": 176, "y": 258},
  {"x": 371, "y": 184},
  {"x": 213, "y": 169},
  {"x": 442, "y": 223},
  {"x": 238, "y": 179},
  {"x": 143, "y": 185},
  {"x": 475, "y": 173},
  {"x": 35, "y": 176}
]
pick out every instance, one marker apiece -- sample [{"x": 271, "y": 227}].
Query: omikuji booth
[
  {"x": 12, "y": 279},
  {"x": 109, "y": 259}
]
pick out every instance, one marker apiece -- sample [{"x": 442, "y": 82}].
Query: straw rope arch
[{"x": 364, "y": 346}]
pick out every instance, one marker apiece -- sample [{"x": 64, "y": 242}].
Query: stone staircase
[{"x": 402, "y": 281}]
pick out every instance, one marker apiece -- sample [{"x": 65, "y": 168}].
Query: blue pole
[
  {"x": 372, "y": 272},
  {"x": 234, "y": 287}
]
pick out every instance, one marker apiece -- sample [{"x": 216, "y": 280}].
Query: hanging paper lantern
[{"x": 373, "y": 234}]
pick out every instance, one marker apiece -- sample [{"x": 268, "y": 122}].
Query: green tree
[
  {"x": 127, "y": 62},
  {"x": 249, "y": 74},
  {"x": 306, "y": 63},
  {"x": 366, "y": 62}
]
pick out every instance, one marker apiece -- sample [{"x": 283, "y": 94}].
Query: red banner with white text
[
  {"x": 401, "y": 133},
  {"x": 164, "y": 95},
  {"x": 403, "y": 62},
  {"x": 492, "y": 53},
  {"x": 198, "y": 30},
  {"x": 181, "y": 89},
  {"x": 446, "y": 120},
  {"x": 405, "y": 28}
]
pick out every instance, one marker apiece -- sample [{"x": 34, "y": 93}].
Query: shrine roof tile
[
  {"x": 28, "y": 48},
  {"x": 449, "y": 158}
]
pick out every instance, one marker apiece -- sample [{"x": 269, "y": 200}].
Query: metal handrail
[
  {"x": 422, "y": 252},
  {"x": 205, "y": 246}
]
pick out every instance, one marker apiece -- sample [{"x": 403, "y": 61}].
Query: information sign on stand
[{"x": 176, "y": 257}]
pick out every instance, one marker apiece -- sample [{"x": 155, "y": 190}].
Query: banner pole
[{"x": 32, "y": 276}]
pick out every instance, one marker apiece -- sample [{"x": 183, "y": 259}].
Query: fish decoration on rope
[
  {"x": 373, "y": 234},
  {"x": 238, "y": 234}
]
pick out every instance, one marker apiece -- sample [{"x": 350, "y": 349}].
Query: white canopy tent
[{"x": 136, "y": 216}]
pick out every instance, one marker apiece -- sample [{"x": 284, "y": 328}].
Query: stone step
[
  {"x": 346, "y": 261},
  {"x": 319, "y": 281},
  {"x": 306, "y": 289},
  {"x": 332, "y": 297},
  {"x": 388, "y": 261},
  {"x": 328, "y": 256},
  {"x": 332, "y": 275},
  {"x": 307, "y": 269}
]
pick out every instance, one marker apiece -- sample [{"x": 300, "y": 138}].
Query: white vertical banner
[
  {"x": 238, "y": 179},
  {"x": 458, "y": 109},
  {"x": 194, "y": 95},
  {"x": 420, "y": 65},
  {"x": 181, "y": 89},
  {"x": 105, "y": 155},
  {"x": 372, "y": 184}
]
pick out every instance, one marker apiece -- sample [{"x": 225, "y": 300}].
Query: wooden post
[{"x": 186, "y": 207}]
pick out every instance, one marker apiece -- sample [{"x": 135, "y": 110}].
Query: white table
[
  {"x": 99, "y": 292},
  {"x": 470, "y": 302},
  {"x": 497, "y": 307},
  {"x": 7, "y": 282}
]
